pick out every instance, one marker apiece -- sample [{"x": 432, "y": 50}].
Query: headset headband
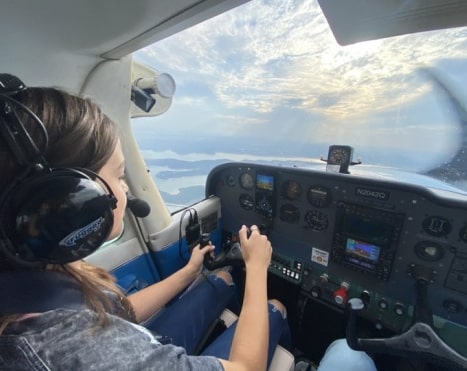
[{"x": 12, "y": 129}]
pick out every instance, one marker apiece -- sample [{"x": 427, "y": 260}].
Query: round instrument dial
[
  {"x": 316, "y": 220},
  {"x": 289, "y": 213},
  {"x": 319, "y": 196},
  {"x": 463, "y": 234},
  {"x": 429, "y": 251},
  {"x": 246, "y": 201},
  {"x": 339, "y": 156},
  {"x": 230, "y": 181},
  {"x": 437, "y": 226},
  {"x": 246, "y": 181},
  {"x": 291, "y": 190}
]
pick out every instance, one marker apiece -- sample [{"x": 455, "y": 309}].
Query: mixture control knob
[{"x": 341, "y": 294}]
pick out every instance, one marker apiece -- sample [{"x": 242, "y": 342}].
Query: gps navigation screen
[{"x": 362, "y": 249}]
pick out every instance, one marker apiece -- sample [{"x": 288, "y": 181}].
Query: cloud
[
  {"x": 270, "y": 63},
  {"x": 264, "y": 54}
]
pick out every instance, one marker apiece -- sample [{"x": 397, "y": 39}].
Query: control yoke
[
  {"x": 419, "y": 341},
  {"x": 231, "y": 255}
]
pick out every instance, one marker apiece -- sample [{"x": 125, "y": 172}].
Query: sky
[{"x": 271, "y": 71}]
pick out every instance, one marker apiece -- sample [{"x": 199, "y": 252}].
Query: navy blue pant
[{"x": 188, "y": 318}]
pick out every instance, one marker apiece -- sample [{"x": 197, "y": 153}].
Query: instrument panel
[{"x": 340, "y": 235}]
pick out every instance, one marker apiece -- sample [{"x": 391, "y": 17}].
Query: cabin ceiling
[
  {"x": 48, "y": 40},
  {"x": 109, "y": 28}
]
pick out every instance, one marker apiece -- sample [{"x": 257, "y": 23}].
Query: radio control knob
[
  {"x": 341, "y": 294},
  {"x": 399, "y": 309}
]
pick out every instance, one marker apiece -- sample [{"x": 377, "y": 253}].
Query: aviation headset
[{"x": 47, "y": 215}]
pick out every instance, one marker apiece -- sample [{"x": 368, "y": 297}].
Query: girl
[{"x": 99, "y": 332}]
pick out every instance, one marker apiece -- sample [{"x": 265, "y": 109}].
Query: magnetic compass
[{"x": 340, "y": 158}]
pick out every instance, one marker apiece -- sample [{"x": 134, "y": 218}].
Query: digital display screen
[
  {"x": 265, "y": 182},
  {"x": 360, "y": 263},
  {"x": 362, "y": 249},
  {"x": 371, "y": 230}
]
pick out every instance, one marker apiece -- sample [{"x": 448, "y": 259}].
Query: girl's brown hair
[{"x": 79, "y": 135}]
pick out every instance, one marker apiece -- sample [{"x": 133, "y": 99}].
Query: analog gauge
[
  {"x": 246, "y": 201},
  {"x": 316, "y": 220},
  {"x": 291, "y": 190},
  {"x": 463, "y": 233},
  {"x": 231, "y": 181},
  {"x": 246, "y": 181},
  {"x": 318, "y": 196},
  {"x": 289, "y": 213},
  {"x": 436, "y": 226},
  {"x": 264, "y": 205},
  {"x": 338, "y": 156},
  {"x": 429, "y": 251}
]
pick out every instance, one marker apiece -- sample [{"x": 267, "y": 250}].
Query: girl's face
[{"x": 113, "y": 172}]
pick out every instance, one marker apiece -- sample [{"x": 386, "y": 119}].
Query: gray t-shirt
[{"x": 66, "y": 339}]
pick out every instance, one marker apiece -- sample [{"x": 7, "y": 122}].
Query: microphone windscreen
[{"x": 138, "y": 207}]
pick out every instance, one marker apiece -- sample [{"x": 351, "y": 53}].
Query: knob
[
  {"x": 316, "y": 291},
  {"x": 383, "y": 304},
  {"x": 365, "y": 297},
  {"x": 399, "y": 309},
  {"x": 341, "y": 294}
]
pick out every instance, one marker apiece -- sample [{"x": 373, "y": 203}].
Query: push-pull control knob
[
  {"x": 341, "y": 294},
  {"x": 316, "y": 291},
  {"x": 365, "y": 297}
]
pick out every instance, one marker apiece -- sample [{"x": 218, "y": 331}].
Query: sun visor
[{"x": 352, "y": 21}]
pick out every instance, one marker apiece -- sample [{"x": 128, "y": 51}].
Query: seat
[{"x": 282, "y": 359}]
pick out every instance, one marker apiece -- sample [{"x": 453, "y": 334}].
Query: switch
[{"x": 452, "y": 306}]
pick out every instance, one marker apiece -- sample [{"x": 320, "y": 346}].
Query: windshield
[{"x": 268, "y": 82}]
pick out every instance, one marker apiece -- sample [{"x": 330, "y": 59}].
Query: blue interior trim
[
  {"x": 149, "y": 268},
  {"x": 136, "y": 274},
  {"x": 169, "y": 260}
]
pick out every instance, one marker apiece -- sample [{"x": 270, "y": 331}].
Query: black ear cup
[{"x": 56, "y": 217}]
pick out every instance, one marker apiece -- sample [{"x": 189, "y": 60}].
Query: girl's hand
[
  {"x": 195, "y": 264},
  {"x": 256, "y": 249}
]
